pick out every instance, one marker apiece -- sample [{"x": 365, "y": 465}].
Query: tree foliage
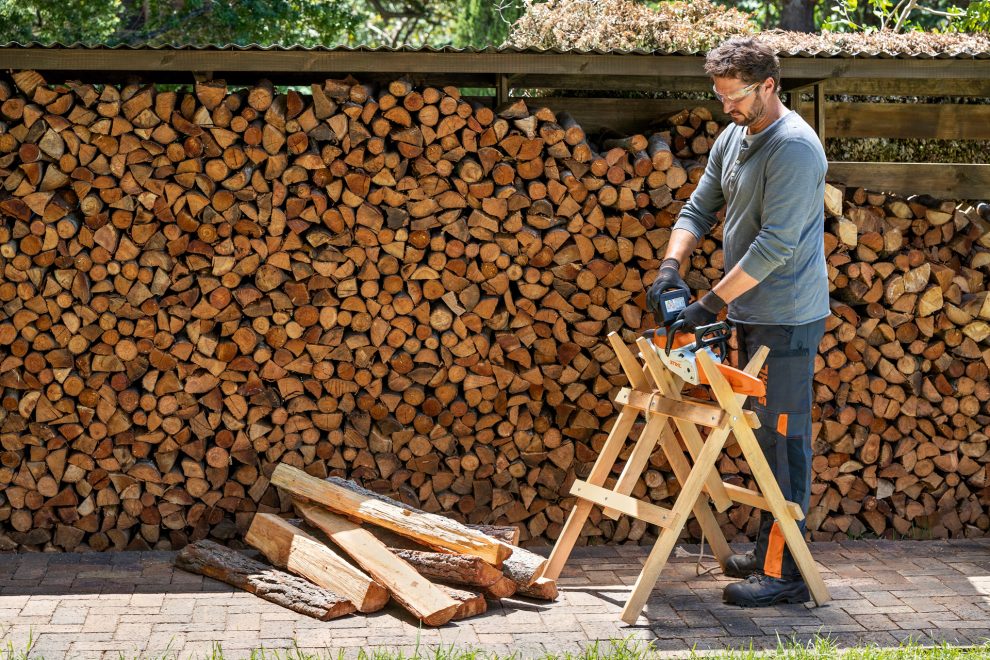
[
  {"x": 416, "y": 23},
  {"x": 486, "y": 22},
  {"x": 267, "y": 22}
]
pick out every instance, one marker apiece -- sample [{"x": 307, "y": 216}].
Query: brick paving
[{"x": 135, "y": 604}]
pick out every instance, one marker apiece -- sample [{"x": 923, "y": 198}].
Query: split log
[
  {"x": 519, "y": 564},
  {"x": 199, "y": 287},
  {"x": 221, "y": 563},
  {"x": 503, "y": 588},
  {"x": 542, "y": 589},
  {"x": 427, "y": 603},
  {"x": 450, "y": 567},
  {"x": 350, "y": 500},
  {"x": 469, "y": 603},
  {"x": 291, "y": 548}
]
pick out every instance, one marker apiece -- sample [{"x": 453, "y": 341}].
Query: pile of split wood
[
  {"x": 403, "y": 287},
  {"x": 902, "y": 377},
  {"x": 469, "y": 563}
]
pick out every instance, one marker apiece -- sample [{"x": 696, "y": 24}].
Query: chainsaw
[{"x": 679, "y": 349}]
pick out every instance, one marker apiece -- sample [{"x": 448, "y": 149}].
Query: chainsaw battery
[{"x": 671, "y": 304}]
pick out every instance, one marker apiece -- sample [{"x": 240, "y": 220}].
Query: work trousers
[{"x": 785, "y": 418}]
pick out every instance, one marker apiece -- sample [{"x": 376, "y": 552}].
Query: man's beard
[{"x": 753, "y": 116}]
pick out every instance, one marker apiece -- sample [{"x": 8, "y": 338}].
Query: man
[{"x": 768, "y": 169}]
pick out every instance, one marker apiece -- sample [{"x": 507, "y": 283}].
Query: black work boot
[
  {"x": 762, "y": 591},
  {"x": 741, "y": 566}
]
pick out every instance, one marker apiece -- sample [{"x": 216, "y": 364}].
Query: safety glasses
[{"x": 739, "y": 95}]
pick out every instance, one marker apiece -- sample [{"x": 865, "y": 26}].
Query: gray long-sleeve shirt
[{"x": 773, "y": 186}]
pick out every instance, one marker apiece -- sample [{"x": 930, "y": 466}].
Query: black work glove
[
  {"x": 668, "y": 278},
  {"x": 701, "y": 312}
]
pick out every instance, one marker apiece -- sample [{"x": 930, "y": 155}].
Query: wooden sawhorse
[{"x": 656, "y": 392}]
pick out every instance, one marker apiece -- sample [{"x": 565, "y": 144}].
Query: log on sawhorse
[{"x": 655, "y": 392}]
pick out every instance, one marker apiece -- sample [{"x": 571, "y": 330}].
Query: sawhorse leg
[
  {"x": 767, "y": 483},
  {"x": 656, "y": 428}
]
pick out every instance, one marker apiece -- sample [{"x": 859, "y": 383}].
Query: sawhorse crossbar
[{"x": 656, "y": 393}]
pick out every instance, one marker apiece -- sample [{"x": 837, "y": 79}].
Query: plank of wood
[
  {"x": 946, "y": 121},
  {"x": 842, "y": 120},
  {"x": 947, "y": 181},
  {"x": 431, "y": 529},
  {"x": 413, "y": 591},
  {"x": 441, "y": 65},
  {"x": 754, "y": 499},
  {"x": 451, "y": 567},
  {"x": 694, "y": 412},
  {"x": 222, "y": 563},
  {"x": 291, "y": 548},
  {"x": 521, "y": 565},
  {"x": 833, "y": 86},
  {"x": 630, "y": 506}
]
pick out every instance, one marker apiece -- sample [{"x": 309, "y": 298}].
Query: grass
[{"x": 818, "y": 648}]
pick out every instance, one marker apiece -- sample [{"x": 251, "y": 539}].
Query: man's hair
[{"x": 744, "y": 58}]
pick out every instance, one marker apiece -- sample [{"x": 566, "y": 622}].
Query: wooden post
[{"x": 820, "y": 110}]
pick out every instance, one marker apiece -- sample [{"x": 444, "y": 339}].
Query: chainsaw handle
[
  {"x": 671, "y": 331},
  {"x": 715, "y": 335}
]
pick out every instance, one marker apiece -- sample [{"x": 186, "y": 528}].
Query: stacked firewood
[
  {"x": 395, "y": 285},
  {"x": 902, "y": 378},
  {"x": 355, "y": 570}
]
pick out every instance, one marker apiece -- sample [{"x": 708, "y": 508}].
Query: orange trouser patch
[
  {"x": 775, "y": 552},
  {"x": 782, "y": 424}
]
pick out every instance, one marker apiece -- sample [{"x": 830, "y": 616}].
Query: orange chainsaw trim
[{"x": 740, "y": 381}]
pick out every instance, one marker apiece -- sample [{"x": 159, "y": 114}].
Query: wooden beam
[
  {"x": 903, "y": 120},
  {"x": 501, "y": 89},
  {"x": 414, "y": 592},
  {"x": 908, "y": 87},
  {"x": 841, "y": 120},
  {"x": 944, "y": 180},
  {"x": 630, "y": 506},
  {"x": 428, "y": 528},
  {"x": 221, "y": 563},
  {"x": 289, "y": 547},
  {"x": 757, "y": 501},
  {"x": 696, "y": 412},
  {"x": 318, "y": 61},
  {"x": 820, "y": 104},
  {"x": 855, "y": 86}
]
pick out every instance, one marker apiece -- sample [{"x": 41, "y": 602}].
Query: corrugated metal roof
[{"x": 795, "y": 52}]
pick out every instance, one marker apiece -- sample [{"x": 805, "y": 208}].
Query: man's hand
[
  {"x": 668, "y": 278},
  {"x": 701, "y": 312}
]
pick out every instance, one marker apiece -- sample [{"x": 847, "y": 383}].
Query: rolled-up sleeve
[
  {"x": 794, "y": 177},
  {"x": 698, "y": 214}
]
